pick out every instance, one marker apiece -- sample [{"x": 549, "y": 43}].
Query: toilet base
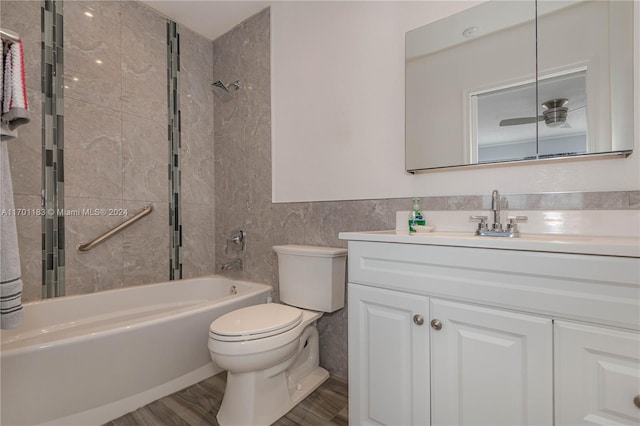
[
  {"x": 261, "y": 397},
  {"x": 306, "y": 386},
  {"x": 275, "y": 399}
]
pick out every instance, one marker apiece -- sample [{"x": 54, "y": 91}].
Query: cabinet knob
[
  {"x": 636, "y": 401},
  {"x": 418, "y": 319},
  {"x": 436, "y": 324}
]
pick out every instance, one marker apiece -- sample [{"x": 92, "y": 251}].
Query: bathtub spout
[{"x": 234, "y": 264}]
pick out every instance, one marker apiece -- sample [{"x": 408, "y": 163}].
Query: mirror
[{"x": 477, "y": 91}]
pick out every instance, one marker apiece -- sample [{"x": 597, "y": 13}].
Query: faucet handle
[
  {"x": 482, "y": 223},
  {"x": 517, "y": 219},
  {"x": 512, "y": 226}
]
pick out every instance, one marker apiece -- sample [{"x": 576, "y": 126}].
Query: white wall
[{"x": 338, "y": 112}]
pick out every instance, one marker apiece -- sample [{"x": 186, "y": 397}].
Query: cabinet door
[
  {"x": 388, "y": 357},
  {"x": 490, "y": 367},
  {"x": 597, "y": 375}
]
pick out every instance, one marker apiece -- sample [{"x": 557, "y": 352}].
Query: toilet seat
[{"x": 255, "y": 322}]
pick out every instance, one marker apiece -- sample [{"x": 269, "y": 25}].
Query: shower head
[{"x": 222, "y": 91}]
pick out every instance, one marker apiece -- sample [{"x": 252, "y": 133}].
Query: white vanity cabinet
[
  {"x": 467, "y": 358},
  {"x": 597, "y": 375},
  {"x": 489, "y": 367},
  {"x": 448, "y": 335},
  {"x": 388, "y": 357}
]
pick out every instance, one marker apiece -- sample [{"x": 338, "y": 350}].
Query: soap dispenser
[{"x": 415, "y": 216}]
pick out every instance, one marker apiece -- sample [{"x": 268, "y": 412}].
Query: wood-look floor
[{"x": 198, "y": 405}]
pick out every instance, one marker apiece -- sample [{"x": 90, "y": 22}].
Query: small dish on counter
[{"x": 420, "y": 229}]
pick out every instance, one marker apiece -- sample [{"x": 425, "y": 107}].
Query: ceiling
[{"x": 210, "y": 18}]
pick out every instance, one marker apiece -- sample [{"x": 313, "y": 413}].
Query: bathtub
[{"x": 83, "y": 360}]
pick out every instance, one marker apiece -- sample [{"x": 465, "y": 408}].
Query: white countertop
[{"x": 558, "y": 243}]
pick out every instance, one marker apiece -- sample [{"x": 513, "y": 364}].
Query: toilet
[{"x": 271, "y": 351}]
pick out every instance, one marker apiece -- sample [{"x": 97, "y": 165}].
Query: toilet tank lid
[{"x": 316, "y": 251}]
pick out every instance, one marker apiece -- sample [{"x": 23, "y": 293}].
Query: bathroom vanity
[{"x": 448, "y": 328}]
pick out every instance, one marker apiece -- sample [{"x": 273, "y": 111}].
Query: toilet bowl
[
  {"x": 263, "y": 383},
  {"x": 271, "y": 351}
]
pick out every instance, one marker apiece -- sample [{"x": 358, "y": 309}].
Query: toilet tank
[{"x": 312, "y": 277}]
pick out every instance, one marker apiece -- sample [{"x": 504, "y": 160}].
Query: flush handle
[
  {"x": 436, "y": 324},
  {"x": 636, "y": 401},
  {"x": 418, "y": 319}
]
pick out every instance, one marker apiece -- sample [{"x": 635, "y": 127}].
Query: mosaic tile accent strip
[
  {"x": 174, "y": 128},
  {"x": 52, "y": 86}
]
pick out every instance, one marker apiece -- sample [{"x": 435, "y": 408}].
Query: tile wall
[
  {"x": 115, "y": 142},
  {"x": 197, "y": 162},
  {"x": 116, "y": 148}
]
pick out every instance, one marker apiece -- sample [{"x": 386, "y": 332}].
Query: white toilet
[{"x": 271, "y": 350}]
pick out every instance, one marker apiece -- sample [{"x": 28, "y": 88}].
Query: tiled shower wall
[
  {"x": 115, "y": 142},
  {"x": 116, "y": 148}
]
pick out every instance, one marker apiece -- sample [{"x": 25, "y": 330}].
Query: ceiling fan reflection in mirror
[{"x": 554, "y": 115}]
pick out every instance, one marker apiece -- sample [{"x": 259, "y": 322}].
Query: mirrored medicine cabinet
[{"x": 510, "y": 81}]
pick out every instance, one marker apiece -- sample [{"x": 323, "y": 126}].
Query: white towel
[
  {"x": 11, "y": 312},
  {"x": 15, "y": 106},
  {"x": 15, "y": 111}
]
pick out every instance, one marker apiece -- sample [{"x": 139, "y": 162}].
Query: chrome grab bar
[
  {"x": 102, "y": 238},
  {"x": 9, "y": 35}
]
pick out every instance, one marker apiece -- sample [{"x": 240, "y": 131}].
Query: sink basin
[{"x": 560, "y": 243}]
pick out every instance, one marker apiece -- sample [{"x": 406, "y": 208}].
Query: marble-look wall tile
[
  {"x": 196, "y": 104},
  {"x": 25, "y": 152},
  {"x": 634, "y": 199},
  {"x": 612, "y": 200},
  {"x": 198, "y": 240},
  {"x": 101, "y": 267},
  {"x": 116, "y": 148},
  {"x": 92, "y": 150},
  {"x": 144, "y": 159},
  {"x": 30, "y": 246},
  {"x": 461, "y": 202},
  {"x": 197, "y": 155},
  {"x": 106, "y": 8},
  {"x": 93, "y": 54},
  {"x": 144, "y": 62},
  {"x": 568, "y": 201},
  {"x": 145, "y": 245}
]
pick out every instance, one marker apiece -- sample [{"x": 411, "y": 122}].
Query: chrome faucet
[
  {"x": 496, "y": 227},
  {"x": 495, "y": 206}
]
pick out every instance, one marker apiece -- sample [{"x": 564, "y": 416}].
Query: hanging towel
[
  {"x": 15, "y": 112},
  {"x": 5, "y": 132},
  {"x": 15, "y": 106},
  {"x": 11, "y": 312}
]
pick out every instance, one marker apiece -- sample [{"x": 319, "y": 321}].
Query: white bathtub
[{"x": 82, "y": 360}]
